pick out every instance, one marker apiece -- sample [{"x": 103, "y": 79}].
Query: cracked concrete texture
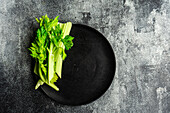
[{"x": 138, "y": 30}]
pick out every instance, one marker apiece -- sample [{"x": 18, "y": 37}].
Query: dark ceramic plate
[{"x": 88, "y": 69}]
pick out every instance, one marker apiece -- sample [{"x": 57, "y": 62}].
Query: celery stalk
[
  {"x": 66, "y": 27},
  {"x": 50, "y": 63},
  {"x": 48, "y": 49}
]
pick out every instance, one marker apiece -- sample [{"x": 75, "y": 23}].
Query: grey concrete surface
[{"x": 138, "y": 30}]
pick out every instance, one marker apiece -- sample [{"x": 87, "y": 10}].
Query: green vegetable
[{"x": 48, "y": 49}]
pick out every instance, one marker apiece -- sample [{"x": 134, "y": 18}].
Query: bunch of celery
[{"x": 48, "y": 49}]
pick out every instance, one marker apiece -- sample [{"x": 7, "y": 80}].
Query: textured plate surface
[{"x": 88, "y": 69}]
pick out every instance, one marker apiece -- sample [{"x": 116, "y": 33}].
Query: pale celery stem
[{"x": 50, "y": 63}]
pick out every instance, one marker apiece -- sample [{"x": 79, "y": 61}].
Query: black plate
[{"x": 88, "y": 69}]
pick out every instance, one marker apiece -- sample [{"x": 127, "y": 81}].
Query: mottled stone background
[{"x": 138, "y": 30}]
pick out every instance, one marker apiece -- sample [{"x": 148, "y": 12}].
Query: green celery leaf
[{"x": 68, "y": 42}]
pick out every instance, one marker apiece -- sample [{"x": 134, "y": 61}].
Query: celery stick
[{"x": 48, "y": 49}]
